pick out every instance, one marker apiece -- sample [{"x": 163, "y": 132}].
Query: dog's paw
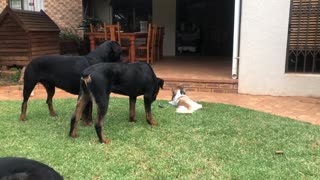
[
  {"x": 173, "y": 103},
  {"x": 132, "y": 120},
  {"x": 105, "y": 141},
  {"x": 152, "y": 122},
  {"x": 53, "y": 114},
  {"x": 87, "y": 123},
  {"x": 73, "y": 135},
  {"x": 22, "y": 118}
]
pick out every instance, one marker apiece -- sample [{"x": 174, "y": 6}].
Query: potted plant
[{"x": 70, "y": 42}]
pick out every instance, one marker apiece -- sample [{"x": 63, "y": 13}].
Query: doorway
[{"x": 204, "y": 27}]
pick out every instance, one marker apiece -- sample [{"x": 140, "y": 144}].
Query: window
[
  {"x": 16, "y": 4},
  {"x": 303, "y": 54},
  {"x": 31, "y": 5}
]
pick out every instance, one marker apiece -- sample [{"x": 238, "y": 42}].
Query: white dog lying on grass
[{"x": 183, "y": 102}]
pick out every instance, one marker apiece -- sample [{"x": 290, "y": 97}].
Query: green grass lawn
[{"x": 217, "y": 142}]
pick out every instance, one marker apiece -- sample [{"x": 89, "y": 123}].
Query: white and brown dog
[{"x": 182, "y": 101}]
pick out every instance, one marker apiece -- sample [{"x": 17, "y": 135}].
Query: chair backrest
[
  {"x": 112, "y": 32},
  {"x": 159, "y": 42},
  {"x": 149, "y": 47},
  {"x": 95, "y": 28},
  {"x": 161, "y": 36},
  {"x": 151, "y": 42},
  {"x": 154, "y": 35},
  {"x": 149, "y": 35}
]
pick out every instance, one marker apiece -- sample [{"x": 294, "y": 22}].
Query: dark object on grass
[
  {"x": 161, "y": 106},
  {"x": 279, "y": 152},
  {"x": 64, "y": 72},
  {"x": 14, "y": 168},
  {"x": 99, "y": 80}
]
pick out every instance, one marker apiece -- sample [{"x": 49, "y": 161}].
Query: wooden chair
[
  {"x": 161, "y": 34},
  {"x": 147, "y": 52},
  {"x": 159, "y": 42},
  {"x": 95, "y": 29},
  {"x": 110, "y": 31},
  {"x": 113, "y": 33}
]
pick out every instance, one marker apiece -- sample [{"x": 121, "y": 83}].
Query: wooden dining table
[{"x": 131, "y": 36}]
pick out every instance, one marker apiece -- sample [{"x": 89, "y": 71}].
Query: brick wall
[
  {"x": 65, "y": 13},
  {"x": 3, "y": 4},
  {"x": 217, "y": 86}
]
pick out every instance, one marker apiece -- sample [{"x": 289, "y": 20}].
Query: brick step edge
[{"x": 216, "y": 86}]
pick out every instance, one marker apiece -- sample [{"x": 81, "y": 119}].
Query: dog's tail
[{"x": 85, "y": 83}]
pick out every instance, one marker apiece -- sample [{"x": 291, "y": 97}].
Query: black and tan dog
[
  {"x": 99, "y": 80},
  {"x": 64, "y": 72},
  {"x": 26, "y": 169}
]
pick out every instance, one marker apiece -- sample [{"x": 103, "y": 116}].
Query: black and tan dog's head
[
  {"x": 114, "y": 51},
  {"x": 109, "y": 51},
  {"x": 159, "y": 84},
  {"x": 179, "y": 90}
]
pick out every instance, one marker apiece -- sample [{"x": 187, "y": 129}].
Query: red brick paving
[{"x": 300, "y": 108}]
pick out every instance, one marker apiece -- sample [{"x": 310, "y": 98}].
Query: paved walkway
[{"x": 300, "y": 108}]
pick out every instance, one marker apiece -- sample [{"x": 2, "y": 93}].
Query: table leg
[
  {"x": 132, "y": 49},
  {"x": 92, "y": 43}
]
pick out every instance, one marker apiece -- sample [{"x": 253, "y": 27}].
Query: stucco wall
[
  {"x": 164, "y": 13},
  {"x": 263, "y": 44}
]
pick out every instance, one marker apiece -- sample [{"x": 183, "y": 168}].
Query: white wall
[
  {"x": 103, "y": 10},
  {"x": 263, "y": 46},
  {"x": 164, "y": 13}
]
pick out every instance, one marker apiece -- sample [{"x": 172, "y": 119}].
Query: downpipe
[{"x": 236, "y": 39}]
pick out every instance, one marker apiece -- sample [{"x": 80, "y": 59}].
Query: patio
[
  {"x": 197, "y": 73},
  {"x": 194, "y": 68}
]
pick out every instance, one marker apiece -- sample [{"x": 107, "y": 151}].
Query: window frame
[
  {"x": 303, "y": 43},
  {"x": 38, "y": 5}
]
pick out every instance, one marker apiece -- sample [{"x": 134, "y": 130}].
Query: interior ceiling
[{"x": 131, "y": 3}]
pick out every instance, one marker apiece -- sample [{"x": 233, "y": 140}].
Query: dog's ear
[
  {"x": 183, "y": 91},
  {"x": 116, "y": 48},
  {"x": 160, "y": 82}
]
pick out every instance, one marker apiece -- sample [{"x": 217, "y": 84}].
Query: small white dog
[{"x": 183, "y": 102}]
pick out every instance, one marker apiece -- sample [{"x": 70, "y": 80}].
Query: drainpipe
[
  {"x": 236, "y": 38},
  {"x": 33, "y": 6}
]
